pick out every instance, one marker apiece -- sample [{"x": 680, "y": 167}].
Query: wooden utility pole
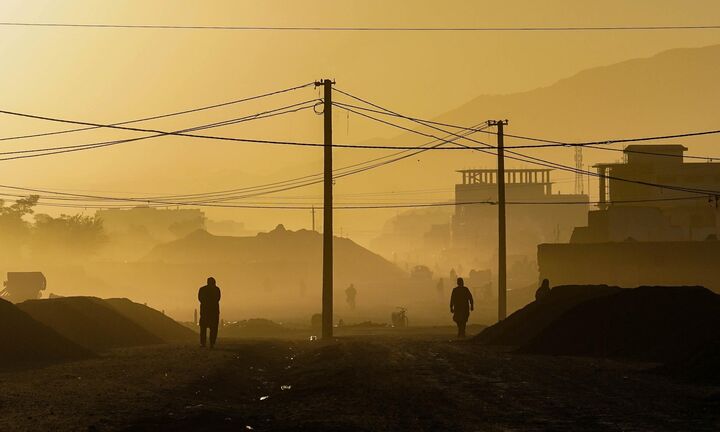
[
  {"x": 502, "y": 246},
  {"x": 313, "y": 218},
  {"x": 327, "y": 292}
]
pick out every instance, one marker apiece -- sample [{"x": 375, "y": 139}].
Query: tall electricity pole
[
  {"x": 502, "y": 246},
  {"x": 313, "y": 218},
  {"x": 327, "y": 291}
]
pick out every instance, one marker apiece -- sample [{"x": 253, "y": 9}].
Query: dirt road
[{"x": 372, "y": 383}]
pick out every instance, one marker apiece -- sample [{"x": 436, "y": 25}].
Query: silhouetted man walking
[
  {"x": 350, "y": 294},
  {"x": 209, "y": 297},
  {"x": 461, "y": 303}
]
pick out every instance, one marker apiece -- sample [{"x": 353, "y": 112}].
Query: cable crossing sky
[{"x": 233, "y": 198}]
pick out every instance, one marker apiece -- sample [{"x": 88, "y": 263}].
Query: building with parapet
[
  {"x": 534, "y": 213},
  {"x": 649, "y": 198},
  {"x": 654, "y": 225}
]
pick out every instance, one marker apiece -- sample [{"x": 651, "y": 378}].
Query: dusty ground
[{"x": 376, "y": 383}]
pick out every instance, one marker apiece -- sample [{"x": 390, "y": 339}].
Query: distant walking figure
[
  {"x": 461, "y": 303},
  {"x": 350, "y": 294},
  {"x": 209, "y": 297},
  {"x": 543, "y": 291}
]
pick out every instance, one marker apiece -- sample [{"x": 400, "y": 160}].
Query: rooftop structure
[
  {"x": 474, "y": 224},
  {"x": 649, "y": 167},
  {"x": 512, "y": 176},
  {"x": 650, "y": 197}
]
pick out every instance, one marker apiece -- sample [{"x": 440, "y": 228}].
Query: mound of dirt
[
  {"x": 152, "y": 320},
  {"x": 89, "y": 322},
  {"x": 701, "y": 366},
  {"x": 28, "y": 341},
  {"x": 661, "y": 324},
  {"x": 520, "y": 327}
]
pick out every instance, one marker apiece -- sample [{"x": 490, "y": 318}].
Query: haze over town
[{"x": 334, "y": 175}]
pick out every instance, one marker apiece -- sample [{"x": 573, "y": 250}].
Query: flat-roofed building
[
  {"x": 534, "y": 213},
  {"x": 650, "y": 228},
  {"x": 649, "y": 198}
]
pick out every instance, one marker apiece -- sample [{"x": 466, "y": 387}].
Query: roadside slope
[
  {"x": 89, "y": 322},
  {"x": 28, "y": 341}
]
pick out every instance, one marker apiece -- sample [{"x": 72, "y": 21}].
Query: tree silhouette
[
  {"x": 14, "y": 230},
  {"x": 81, "y": 235}
]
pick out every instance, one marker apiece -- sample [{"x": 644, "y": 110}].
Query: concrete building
[
  {"x": 642, "y": 234},
  {"x": 637, "y": 210},
  {"x": 547, "y": 216}
]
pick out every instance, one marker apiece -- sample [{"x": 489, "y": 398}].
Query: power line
[
  {"x": 339, "y": 172},
  {"x": 365, "y": 206},
  {"x": 366, "y": 29},
  {"x": 206, "y": 204},
  {"x": 258, "y": 116},
  {"x": 417, "y": 132},
  {"x": 24, "y": 154},
  {"x": 545, "y": 142},
  {"x": 263, "y": 189},
  {"x": 172, "y": 114},
  {"x": 290, "y": 143},
  {"x": 266, "y": 189},
  {"x": 384, "y": 160},
  {"x": 651, "y": 138},
  {"x": 534, "y": 160},
  {"x": 286, "y": 185},
  {"x": 521, "y": 157},
  {"x": 315, "y": 202},
  {"x": 183, "y": 133},
  {"x": 387, "y": 112},
  {"x": 554, "y": 143},
  {"x": 383, "y": 163},
  {"x": 393, "y": 114}
]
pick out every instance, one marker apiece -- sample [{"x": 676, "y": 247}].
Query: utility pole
[
  {"x": 327, "y": 292},
  {"x": 313, "y": 218},
  {"x": 502, "y": 246}
]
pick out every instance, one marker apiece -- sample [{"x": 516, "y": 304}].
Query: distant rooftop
[
  {"x": 655, "y": 148},
  {"x": 654, "y": 154},
  {"x": 512, "y": 176},
  {"x": 494, "y": 170}
]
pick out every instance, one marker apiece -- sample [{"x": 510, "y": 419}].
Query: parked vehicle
[{"x": 21, "y": 286}]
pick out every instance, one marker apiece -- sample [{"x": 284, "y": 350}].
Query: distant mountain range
[{"x": 674, "y": 91}]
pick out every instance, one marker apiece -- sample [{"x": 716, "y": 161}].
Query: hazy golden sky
[{"x": 111, "y": 75}]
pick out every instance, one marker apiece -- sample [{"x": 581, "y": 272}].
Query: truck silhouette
[{"x": 21, "y": 286}]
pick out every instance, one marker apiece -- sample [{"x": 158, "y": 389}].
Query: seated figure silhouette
[
  {"x": 543, "y": 291},
  {"x": 461, "y": 303},
  {"x": 209, "y": 297}
]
